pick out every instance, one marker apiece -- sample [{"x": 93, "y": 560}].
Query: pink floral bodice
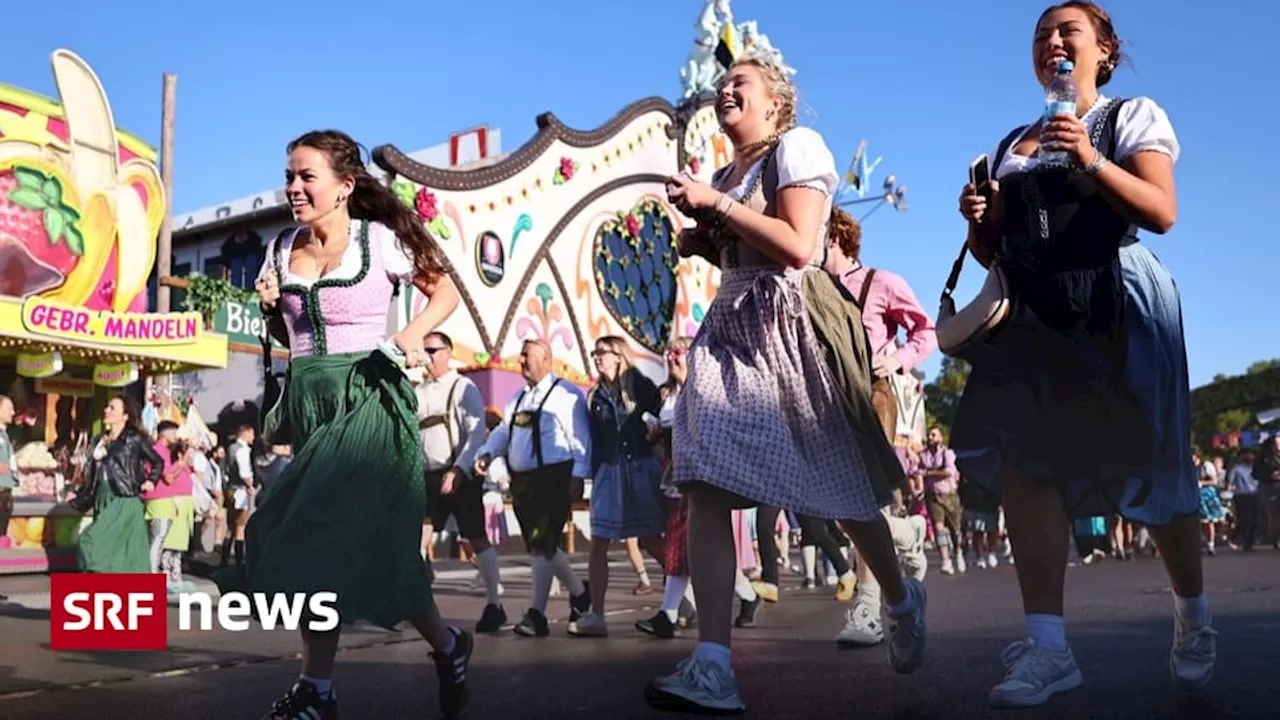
[{"x": 335, "y": 316}]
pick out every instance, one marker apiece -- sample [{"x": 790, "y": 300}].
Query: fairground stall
[{"x": 81, "y": 204}]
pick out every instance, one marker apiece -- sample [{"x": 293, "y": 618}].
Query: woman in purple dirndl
[{"x": 776, "y": 409}]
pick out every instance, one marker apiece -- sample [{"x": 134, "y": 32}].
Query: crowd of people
[
  {"x": 780, "y": 408},
  {"x": 160, "y": 500}
]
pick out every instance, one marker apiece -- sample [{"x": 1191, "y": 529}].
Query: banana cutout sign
[{"x": 81, "y": 203}]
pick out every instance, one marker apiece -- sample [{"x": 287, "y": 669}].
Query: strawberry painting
[{"x": 36, "y": 221}]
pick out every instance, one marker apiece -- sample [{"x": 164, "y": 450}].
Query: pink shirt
[
  {"x": 940, "y": 458},
  {"x": 181, "y": 485},
  {"x": 891, "y": 305}
]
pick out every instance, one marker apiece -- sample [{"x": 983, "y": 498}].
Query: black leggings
[{"x": 814, "y": 531}]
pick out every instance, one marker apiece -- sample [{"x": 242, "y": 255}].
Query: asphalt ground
[{"x": 1119, "y": 623}]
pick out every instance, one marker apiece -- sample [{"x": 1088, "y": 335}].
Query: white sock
[
  {"x": 714, "y": 652},
  {"x": 743, "y": 589},
  {"x": 453, "y": 640},
  {"x": 1048, "y": 631},
  {"x": 541, "y": 583},
  {"x": 324, "y": 686},
  {"x": 644, "y": 577},
  {"x": 487, "y": 564},
  {"x": 844, "y": 550},
  {"x": 688, "y": 594},
  {"x": 564, "y": 571},
  {"x": 1193, "y": 612},
  {"x": 809, "y": 556},
  {"x": 673, "y": 594}
]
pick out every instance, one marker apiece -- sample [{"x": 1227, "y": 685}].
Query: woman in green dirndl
[
  {"x": 122, "y": 465},
  {"x": 345, "y": 516}
]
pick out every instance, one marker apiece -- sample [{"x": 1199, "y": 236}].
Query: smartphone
[{"x": 980, "y": 175}]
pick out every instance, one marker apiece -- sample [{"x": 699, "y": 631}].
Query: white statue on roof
[{"x": 703, "y": 69}]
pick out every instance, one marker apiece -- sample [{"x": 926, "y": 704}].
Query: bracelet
[{"x": 1099, "y": 161}]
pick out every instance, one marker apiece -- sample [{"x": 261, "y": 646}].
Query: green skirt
[
  {"x": 116, "y": 541},
  {"x": 345, "y": 516}
]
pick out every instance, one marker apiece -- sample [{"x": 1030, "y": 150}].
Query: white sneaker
[
  {"x": 960, "y": 564},
  {"x": 948, "y": 568},
  {"x": 1194, "y": 654},
  {"x": 862, "y": 627},
  {"x": 696, "y": 685},
  {"x": 589, "y": 625},
  {"x": 982, "y": 563},
  {"x": 1034, "y": 674},
  {"x": 907, "y": 632},
  {"x": 992, "y": 560}
]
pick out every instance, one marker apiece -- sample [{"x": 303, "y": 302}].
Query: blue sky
[{"x": 930, "y": 84}]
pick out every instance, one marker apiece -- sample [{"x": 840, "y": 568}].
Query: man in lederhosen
[
  {"x": 545, "y": 439},
  {"x": 451, "y": 419}
]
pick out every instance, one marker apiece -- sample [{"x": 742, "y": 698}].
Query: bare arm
[
  {"x": 1142, "y": 188},
  {"x": 442, "y": 296}
]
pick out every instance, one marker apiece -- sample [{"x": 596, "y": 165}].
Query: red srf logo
[{"x": 108, "y": 612}]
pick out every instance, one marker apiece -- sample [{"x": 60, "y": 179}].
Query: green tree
[
  {"x": 1262, "y": 366},
  {"x": 942, "y": 396}
]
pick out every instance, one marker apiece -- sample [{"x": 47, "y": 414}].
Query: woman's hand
[
  {"x": 691, "y": 196},
  {"x": 1066, "y": 133},
  {"x": 974, "y": 206},
  {"x": 148, "y": 486},
  {"x": 268, "y": 290},
  {"x": 412, "y": 346}
]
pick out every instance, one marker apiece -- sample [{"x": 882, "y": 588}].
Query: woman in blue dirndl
[{"x": 1079, "y": 405}]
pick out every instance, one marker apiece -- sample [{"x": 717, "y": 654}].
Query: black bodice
[{"x": 1061, "y": 244}]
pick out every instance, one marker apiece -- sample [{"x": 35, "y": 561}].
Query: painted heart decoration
[{"x": 635, "y": 270}]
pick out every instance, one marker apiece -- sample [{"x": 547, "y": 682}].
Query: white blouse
[
  {"x": 803, "y": 160},
  {"x": 1141, "y": 126},
  {"x": 382, "y": 239}
]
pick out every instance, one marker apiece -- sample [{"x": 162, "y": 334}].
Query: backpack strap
[{"x": 866, "y": 289}]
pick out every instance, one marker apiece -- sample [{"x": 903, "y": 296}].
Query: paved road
[{"x": 1119, "y": 622}]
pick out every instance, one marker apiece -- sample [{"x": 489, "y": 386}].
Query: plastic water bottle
[{"x": 1060, "y": 99}]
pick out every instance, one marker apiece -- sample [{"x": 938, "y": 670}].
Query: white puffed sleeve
[
  {"x": 804, "y": 160},
  {"x": 397, "y": 262},
  {"x": 279, "y": 246},
  {"x": 1143, "y": 126}
]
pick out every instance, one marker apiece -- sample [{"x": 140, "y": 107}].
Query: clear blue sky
[{"x": 930, "y": 84}]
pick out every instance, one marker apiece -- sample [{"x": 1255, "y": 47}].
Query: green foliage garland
[{"x": 207, "y": 295}]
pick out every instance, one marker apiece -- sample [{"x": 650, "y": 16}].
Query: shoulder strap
[
  {"x": 451, "y": 409},
  {"x": 958, "y": 265},
  {"x": 547, "y": 397},
  {"x": 866, "y": 289}
]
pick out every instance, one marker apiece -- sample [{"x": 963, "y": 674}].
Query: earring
[
  {"x": 339, "y": 202},
  {"x": 768, "y": 115}
]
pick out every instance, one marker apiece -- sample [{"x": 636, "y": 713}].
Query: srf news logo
[{"x": 130, "y": 611}]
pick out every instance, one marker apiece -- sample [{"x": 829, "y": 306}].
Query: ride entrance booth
[{"x": 81, "y": 204}]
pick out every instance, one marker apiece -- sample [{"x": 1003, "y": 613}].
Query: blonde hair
[
  {"x": 618, "y": 346},
  {"x": 779, "y": 85},
  {"x": 684, "y": 342}
]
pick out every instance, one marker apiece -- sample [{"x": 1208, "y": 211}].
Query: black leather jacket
[{"x": 129, "y": 462}]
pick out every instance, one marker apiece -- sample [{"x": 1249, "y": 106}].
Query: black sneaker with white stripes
[
  {"x": 451, "y": 669},
  {"x": 304, "y": 703}
]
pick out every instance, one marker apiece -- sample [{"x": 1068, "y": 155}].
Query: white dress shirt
[
  {"x": 463, "y": 429},
  {"x": 564, "y": 427}
]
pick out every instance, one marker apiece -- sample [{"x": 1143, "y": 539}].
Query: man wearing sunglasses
[{"x": 451, "y": 419}]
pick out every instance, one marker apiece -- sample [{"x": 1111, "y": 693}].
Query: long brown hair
[
  {"x": 134, "y": 411},
  {"x": 371, "y": 200},
  {"x": 625, "y": 378}
]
